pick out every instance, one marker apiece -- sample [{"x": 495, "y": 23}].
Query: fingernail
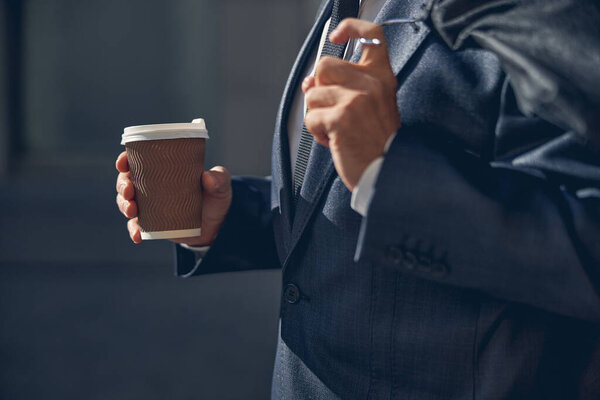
[
  {"x": 214, "y": 179},
  {"x": 216, "y": 182},
  {"x": 221, "y": 188}
]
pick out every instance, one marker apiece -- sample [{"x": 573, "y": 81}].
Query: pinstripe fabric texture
[{"x": 341, "y": 9}]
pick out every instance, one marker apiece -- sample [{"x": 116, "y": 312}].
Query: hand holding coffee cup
[{"x": 162, "y": 187}]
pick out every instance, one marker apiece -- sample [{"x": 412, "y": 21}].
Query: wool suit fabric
[{"x": 476, "y": 272}]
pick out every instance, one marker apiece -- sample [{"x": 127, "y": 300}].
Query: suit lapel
[
  {"x": 403, "y": 41},
  {"x": 319, "y": 171},
  {"x": 282, "y": 176}
]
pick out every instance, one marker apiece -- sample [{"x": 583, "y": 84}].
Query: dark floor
[{"x": 84, "y": 314}]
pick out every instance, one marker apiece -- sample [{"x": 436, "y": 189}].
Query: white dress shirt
[{"x": 362, "y": 193}]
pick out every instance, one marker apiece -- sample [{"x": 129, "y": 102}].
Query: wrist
[
  {"x": 364, "y": 189},
  {"x": 199, "y": 250},
  {"x": 369, "y": 156}
]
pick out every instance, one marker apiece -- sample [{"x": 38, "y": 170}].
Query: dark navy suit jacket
[{"x": 476, "y": 273}]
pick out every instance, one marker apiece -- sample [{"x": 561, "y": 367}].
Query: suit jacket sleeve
[
  {"x": 549, "y": 48},
  {"x": 524, "y": 228},
  {"x": 245, "y": 240}
]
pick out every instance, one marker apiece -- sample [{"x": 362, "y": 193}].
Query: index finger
[
  {"x": 352, "y": 28},
  {"x": 122, "y": 164}
]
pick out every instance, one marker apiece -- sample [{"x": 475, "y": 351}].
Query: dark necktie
[{"x": 341, "y": 9}]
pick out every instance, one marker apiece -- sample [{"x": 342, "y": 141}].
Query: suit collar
[{"x": 403, "y": 39}]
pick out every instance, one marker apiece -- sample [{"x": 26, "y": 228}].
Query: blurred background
[{"x": 85, "y": 314}]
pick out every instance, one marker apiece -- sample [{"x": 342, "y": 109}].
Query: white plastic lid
[{"x": 195, "y": 129}]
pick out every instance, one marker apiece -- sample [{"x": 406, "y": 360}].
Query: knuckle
[
  {"x": 339, "y": 113},
  {"x": 309, "y": 120},
  {"x": 325, "y": 66},
  {"x": 327, "y": 62},
  {"x": 122, "y": 180},
  {"x": 120, "y": 186},
  {"x": 343, "y": 124},
  {"x": 336, "y": 118},
  {"x": 310, "y": 97},
  {"x": 357, "y": 101}
]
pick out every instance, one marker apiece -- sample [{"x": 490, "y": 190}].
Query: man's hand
[
  {"x": 352, "y": 107},
  {"x": 216, "y": 185}
]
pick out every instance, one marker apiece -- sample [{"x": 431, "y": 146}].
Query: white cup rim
[{"x": 195, "y": 129}]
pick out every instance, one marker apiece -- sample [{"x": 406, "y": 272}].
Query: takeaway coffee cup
[{"x": 166, "y": 163}]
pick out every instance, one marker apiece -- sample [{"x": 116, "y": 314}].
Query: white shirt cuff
[
  {"x": 364, "y": 189},
  {"x": 199, "y": 251}
]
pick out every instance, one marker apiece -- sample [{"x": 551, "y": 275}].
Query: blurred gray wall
[
  {"x": 85, "y": 313},
  {"x": 4, "y": 147},
  {"x": 93, "y": 67}
]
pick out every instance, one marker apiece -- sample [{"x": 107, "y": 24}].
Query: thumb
[
  {"x": 352, "y": 28},
  {"x": 216, "y": 181}
]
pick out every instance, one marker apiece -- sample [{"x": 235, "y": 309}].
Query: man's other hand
[
  {"x": 216, "y": 185},
  {"x": 352, "y": 107}
]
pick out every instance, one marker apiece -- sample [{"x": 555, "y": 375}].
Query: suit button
[
  {"x": 410, "y": 260},
  {"x": 291, "y": 294}
]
